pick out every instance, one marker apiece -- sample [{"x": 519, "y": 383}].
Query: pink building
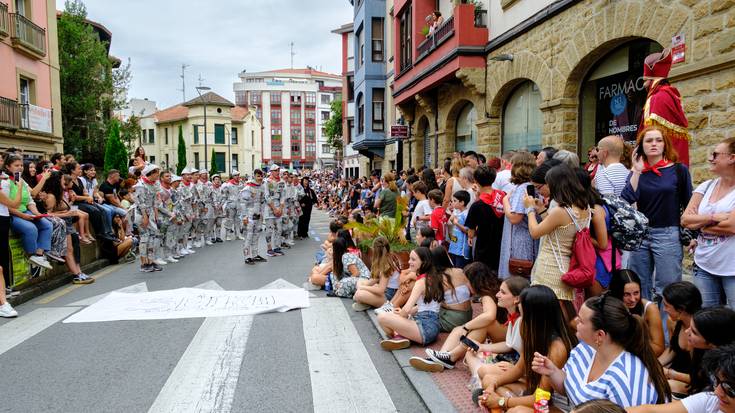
[{"x": 30, "y": 101}]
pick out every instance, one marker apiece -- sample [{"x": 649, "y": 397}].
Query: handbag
[
  {"x": 581, "y": 272},
  {"x": 518, "y": 266},
  {"x": 686, "y": 235}
]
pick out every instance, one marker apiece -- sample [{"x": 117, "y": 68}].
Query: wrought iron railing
[
  {"x": 4, "y": 20},
  {"x": 442, "y": 33},
  {"x": 28, "y": 34},
  {"x": 9, "y": 113}
]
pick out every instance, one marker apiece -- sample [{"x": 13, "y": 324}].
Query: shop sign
[
  {"x": 399, "y": 131},
  {"x": 678, "y": 49},
  {"x": 620, "y": 99}
]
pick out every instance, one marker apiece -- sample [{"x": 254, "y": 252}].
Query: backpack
[
  {"x": 629, "y": 226},
  {"x": 581, "y": 273}
]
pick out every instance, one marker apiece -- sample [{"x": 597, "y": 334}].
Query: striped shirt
[
  {"x": 611, "y": 179},
  {"x": 625, "y": 382}
]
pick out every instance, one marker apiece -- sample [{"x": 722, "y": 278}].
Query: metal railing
[
  {"x": 4, "y": 20},
  {"x": 28, "y": 34},
  {"x": 442, "y": 33},
  {"x": 9, "y": 113}
]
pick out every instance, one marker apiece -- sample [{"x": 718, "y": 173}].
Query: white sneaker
[
  {"x": 208, "y": 242},
  {"x": 7, "y": 311},
  {"x": 241, "y": 237},
  {"x": 360, "y": 306},
  {"x": 385, "y": 308},
  {"x": 171, "y": 259},
  {"x": 190, "y": 251},
  {"x": 197, "y": 244},
  {"x": 160, "y": 261},
  {"x": 40, "y": 261}
]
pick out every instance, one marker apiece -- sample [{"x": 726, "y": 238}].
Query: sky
[{"x": 217, "y": 39}]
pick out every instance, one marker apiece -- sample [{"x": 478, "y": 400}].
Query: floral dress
[{"x": 347, "y": 286}]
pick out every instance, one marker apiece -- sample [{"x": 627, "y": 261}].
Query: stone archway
[{"x": 450, "y": 124}]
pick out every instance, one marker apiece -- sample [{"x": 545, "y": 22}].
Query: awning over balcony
[{"x": 370, "y": 148}]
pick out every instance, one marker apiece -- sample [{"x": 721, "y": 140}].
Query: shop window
[
  {"x": 466, "y": 138},
  {"x": 522, "y": 119},
  {"x": 612, "y": 96}
]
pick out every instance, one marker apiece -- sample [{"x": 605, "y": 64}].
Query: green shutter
[
  {"x": 220, "y": 160},
  {"x": 219, "y": 134},
  {"x": 196, "y": 134}
]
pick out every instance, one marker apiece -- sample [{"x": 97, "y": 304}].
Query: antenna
[
  {"x": 183, "y": 81},
  {"x": 292, "y": 55},
  {"x": 200, "y": 80}
]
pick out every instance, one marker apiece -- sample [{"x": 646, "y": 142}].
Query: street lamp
[{"x": 199, "y": 92}]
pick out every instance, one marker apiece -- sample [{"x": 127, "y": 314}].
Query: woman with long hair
[
  {"x": 452, "y": 185},
  {"x": 6, "y": 203},
  {"x": 661, "y": 188},
  {"x": 32, "y": 177},
  {"x": 383, "y": 283},
  {"x": 85, "y": 202},
  {"x": 599, "y": 231},
  {"x": 423, "y": 305},
  {"x": 613, "y": 359},
  {"x": 347, "y": 268},
  {"x": 456, "y": 309},
  {"x": 428, "y": 177},
  {"x": 543, "y": 330},
  {"x": 386, "y": 202},
  {"x": 139, "y": 161},
  {"x": 626, "y": 286}
]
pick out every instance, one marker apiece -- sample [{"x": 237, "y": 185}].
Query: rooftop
[
  {"x": 210, "y": 98},
  {"x": 306, "y": 72}
]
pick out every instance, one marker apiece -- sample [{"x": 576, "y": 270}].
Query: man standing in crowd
[
  {"x": 485, "y": 220},
  {"x": 273, "y": 213},
  {"x": 611, "y": 175},
  {"x": 253, "y": 202},
  {"x": 188, "y": 199},
  {"x": 502, "y": 180},
  {"x": 231, "y": 191},
  {"x": 307, "y": 201},
  {"x": 471, "y": 159}
]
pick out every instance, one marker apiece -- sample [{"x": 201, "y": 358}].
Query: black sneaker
[
  {"x": 146, "y": 268},
  {"x": 425, "y": 364},
  {"x": 218, "y": 240},
  {"x": 156, "y": 267},
  {"x": 441, "y": 357},
  {"x": 258, "y": 258},
  {"x": 249, "y": 261}
]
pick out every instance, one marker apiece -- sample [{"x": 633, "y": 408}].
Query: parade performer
[
  {"x": 165, "y": 207},
  {"x": 186, "y": 197},
  {"x": 231, "y": 192},
  {"x": 663, "y": 106},
  {"x": 146, "y": 216},
  {"x": 275, "y": 188},
  {"x": 176, "y": 237},
  {"x": 218, "y": 213},
  {"x": 253, "y": 203}
]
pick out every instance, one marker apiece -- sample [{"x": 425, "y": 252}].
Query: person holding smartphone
[
  {"x": 35, "y": 231},
  {"x": 6, "y": 202}
]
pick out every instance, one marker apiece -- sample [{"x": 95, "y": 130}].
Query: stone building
[{"x": 563, "y": 73}]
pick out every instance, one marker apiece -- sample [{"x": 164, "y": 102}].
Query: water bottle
[{"x": 328, "y": 283}]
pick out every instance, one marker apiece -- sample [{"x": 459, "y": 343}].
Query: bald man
[{"x": 611, "y": 175}]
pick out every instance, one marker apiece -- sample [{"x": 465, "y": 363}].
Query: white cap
[
  {"x": 175, "y": 178},
  {"x": 235, "y": 172},
  {"x": 149, "y": 168},
  {"x": 273, "y": 168},
  {"x": 204, "y": 171},
  {"x": 187, "y": 170}
]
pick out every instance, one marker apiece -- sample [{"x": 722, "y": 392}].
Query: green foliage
[
  {"x": 392, "y": 228},
  {"x": 130, "y": 133},
  {"x": 181, "y": 148},
  {"x": 116, "y": 156},
  {"x": 213, "y": 164},
  {"x": 333, "y": 127}
]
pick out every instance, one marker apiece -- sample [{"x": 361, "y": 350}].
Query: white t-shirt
[
  {"x": 502, "y": 181},
  {"x": 702, "y": 403},
  {"x": 5, "y": 189},
  {"x": 422, "y": 208},
  {"x": 714, "y": 252},
  {"x": 513, "y": 336},
  {"x": 611, "y": 179}
]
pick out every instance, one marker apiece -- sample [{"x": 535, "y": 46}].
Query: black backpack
[{"x": 629, "y": 226}]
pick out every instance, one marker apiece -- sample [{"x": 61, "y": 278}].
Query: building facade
[
  {"x": 234, "y": 133},
  {"x": 30, "y": 100},
  {"x": 563, "y": 73},
  {"x": 292, "y": 105}
]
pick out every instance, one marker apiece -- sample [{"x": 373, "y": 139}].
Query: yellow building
[{"x": 233, "y": 132}]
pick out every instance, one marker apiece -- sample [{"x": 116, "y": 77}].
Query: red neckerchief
[
  {"x": 146, "y": 180},
  {"x": 420, "y": 276},
  {"x": 187, "y": 183},
  {"x": 355, "y": 251},
  {"x": 165, "y": 185},
  {"x": 512, "y": 318},
  {"x": 654, "y": 168},
  {"x": 56, "y": 168},
  {"x": 253, "y": 184},
  {"x": 495, "y": 200},
  {"x": 232, "y": 181}
]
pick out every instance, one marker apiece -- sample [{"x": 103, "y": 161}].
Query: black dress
[{"x": 307, "y": 203}]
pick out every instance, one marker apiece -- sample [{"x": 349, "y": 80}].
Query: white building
[
  {"x": 292, "y": 105},
  {"x": 139, "y": 108}
]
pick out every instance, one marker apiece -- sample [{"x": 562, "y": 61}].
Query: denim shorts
[
  {"x": 428, "y": 323},
  {"x": 390, "y": 293}
]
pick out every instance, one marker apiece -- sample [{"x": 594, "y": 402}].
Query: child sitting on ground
[{"x": 384, "y": 275}]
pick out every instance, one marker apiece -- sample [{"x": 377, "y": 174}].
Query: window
[
  {"x": 360, "y": 115},
  {"x": 326, "y": 148},
  {"x": 295, "y": 98},
  {"x": 377, "y": 44},
  {"x": 276, "y": 133},
  {"x": 233, "y": 136},
  {"x": 20, "y": 7},
  {"x": 219, "y": 134},
  {"x": 325, "y": 115},
  {"x": 259, "y": 114},
  {"x": 295, "y": 133},
  {"x": 276, "y": 116},
  {"x": 295, "y": 148},
  {"x": 252, "y": 161},
  {"x": 219, "y": 161},
  {"x": 311, "y": 99},
  {"x": 522, "y": 119},
  {"x": 350, "y": 88},
  {"x": 378, "y": 101},
  {"x": 196, "y": 160},
  {"x": 296, "y": 116},
  {"x": 310, "y": 117},
  {"x": 350, "y": 129},
  {"x": 234, "y": 162},
  {"x": 252, "y": 138},
  {"x": 310, "y": 134},
  {"x": 165, "y": 131},
  {"x": 405, "y": 39},
  {"x": 152, "y": 159},
  {"x": 196, "y": 134},
  {"x": 275, "y": 98},
  {"x": 466, "y": 138},
  {"x": 167, "y": 164},
  {"x": 255, "y": 98},
  {"x": 25, "y": 99},
  {"x": 241, "y": 98},
  {"x": 325, "y": 99},
  {"x": 151, "y": 136},
  {"x": 360, "y": 47}
]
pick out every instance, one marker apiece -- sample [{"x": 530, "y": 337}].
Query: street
[{"x": 324, "y": 358}]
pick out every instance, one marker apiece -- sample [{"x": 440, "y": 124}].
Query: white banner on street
[{"x": 190, "y": 303}]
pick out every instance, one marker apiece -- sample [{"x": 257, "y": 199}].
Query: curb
[
  {"x": 425, "y": 387},
  {"x": 42, "y": 287}
]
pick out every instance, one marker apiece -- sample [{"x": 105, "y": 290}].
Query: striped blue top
[{"x": 625, "y": 382}]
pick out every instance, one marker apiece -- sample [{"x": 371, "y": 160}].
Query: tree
[
  {"x": 116, "y": 156},
  {"x": 213, "y": 164},
  {"x": 333, "y": 127},
  {"x": 130, "y": 133},
  {"x": 181, "y": 161}
]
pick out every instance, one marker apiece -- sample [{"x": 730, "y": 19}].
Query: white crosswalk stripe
[
  {"x": 135, "y": 288},
  {"x": 28, "y": 325}
]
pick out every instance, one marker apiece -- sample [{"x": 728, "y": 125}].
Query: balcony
[
  {"x": 14, "y": 115},
  {"x": 4, "y": 20},
  {"x": 459, "y": 42},
  {"x": 9, "y": 113},
  {"x": 27, "y": 36}
]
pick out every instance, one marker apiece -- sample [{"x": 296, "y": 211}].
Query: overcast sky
[{"x": 217, "y": 39}]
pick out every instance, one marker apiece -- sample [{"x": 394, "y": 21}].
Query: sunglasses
[{"x": 726, "y": 387}]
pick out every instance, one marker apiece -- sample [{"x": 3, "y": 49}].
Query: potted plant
[
  {"x": 392, "y": 228},
  {"x": 425, "y": 31}
]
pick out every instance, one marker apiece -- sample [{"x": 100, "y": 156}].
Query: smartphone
[
  {"x": 469, "y": 343},
  {"x": 531, "y": 191},
  {"x": 17, "y": 176}
]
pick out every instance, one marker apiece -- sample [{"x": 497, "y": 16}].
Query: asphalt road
[{"x": 200, "y": 364}]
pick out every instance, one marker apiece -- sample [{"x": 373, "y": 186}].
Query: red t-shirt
[{"x": 438, "y": 219}]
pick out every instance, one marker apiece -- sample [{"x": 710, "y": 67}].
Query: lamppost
[{"x": 199, "y": 92}]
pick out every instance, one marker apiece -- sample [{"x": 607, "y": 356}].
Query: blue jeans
[
  {"x": 661, "y": 252},
  {"x": 715, "y": 288},
  {"x": 35, "y": 234}
]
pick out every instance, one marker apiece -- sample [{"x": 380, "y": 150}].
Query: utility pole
[
  {"x": 200, "y": 80},
  {"x": 183, "y": 81},
  {"x": 292, "y": 55}
]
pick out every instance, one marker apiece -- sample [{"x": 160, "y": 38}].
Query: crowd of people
[
  {"x": 560, "y": 285},
  {"x": 152, "y": 215}
]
